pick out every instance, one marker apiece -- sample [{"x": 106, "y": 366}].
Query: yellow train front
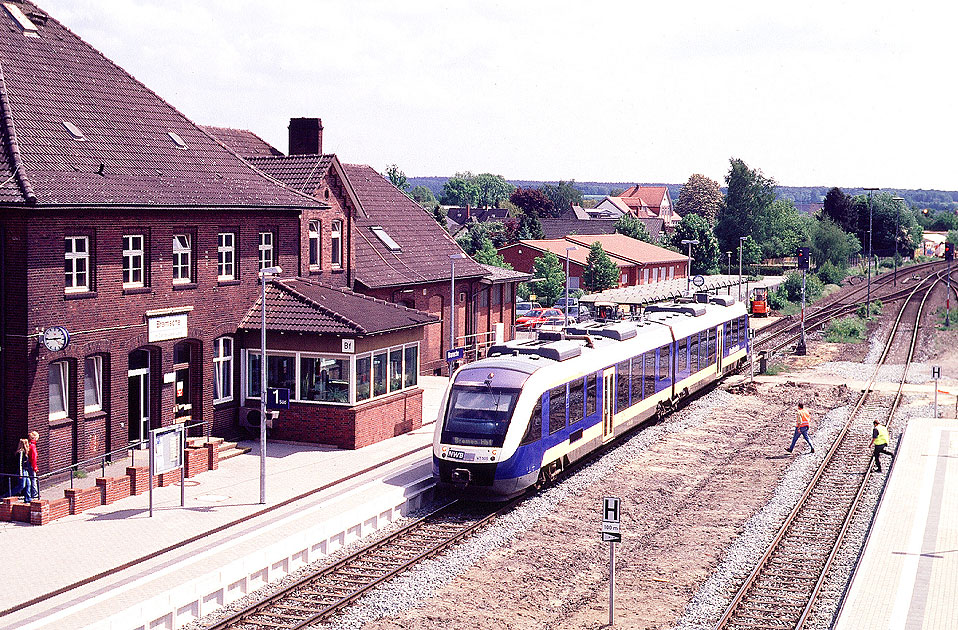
[{"x": 532, "y": 407}]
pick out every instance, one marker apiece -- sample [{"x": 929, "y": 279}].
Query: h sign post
[{"x": 611, "y": 514}]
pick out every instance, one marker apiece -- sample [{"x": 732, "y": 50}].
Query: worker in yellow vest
[
  {"x": 879, "y": 442},
  {"x": 801, "y": 427}
]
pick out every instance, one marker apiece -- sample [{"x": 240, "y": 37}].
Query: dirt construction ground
[{"x": 685, "y": 499}]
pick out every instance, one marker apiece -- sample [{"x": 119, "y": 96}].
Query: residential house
[
  {"x": 641, "y": 201},
  {"x": 638, "y": 262}
]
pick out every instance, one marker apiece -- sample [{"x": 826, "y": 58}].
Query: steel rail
[
  {"x": 803, "y": 502},
  {"x": 803, "y": 618}
]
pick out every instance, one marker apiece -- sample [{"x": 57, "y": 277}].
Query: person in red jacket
[
  {"x": 33, "y": 489},
  {"x": 801, "y": 427}
]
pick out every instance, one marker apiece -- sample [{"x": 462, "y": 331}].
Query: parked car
[
  {"x": 579, "y": 314},
  {"x": 560, "y": 303},
  {"x": 524, "y": 307},
  {"x": 536, "y": 317}
]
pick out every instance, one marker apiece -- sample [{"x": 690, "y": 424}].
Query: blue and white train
[{"x": 531, "y": 407}]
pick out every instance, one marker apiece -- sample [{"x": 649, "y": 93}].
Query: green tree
[
  {"x": 706, "y": 254},
  {"x": 829, "y": 244},
  {"x": 563, "y": 196},
  {"x": 396, "y": 177},
  {"x": 439, "y": 214},
  {"x": 781, "y": 228},
  {"x": 600, "y": 272},
  {"x": 423, "y": 196},
  {"x": 488, "y": 255},
  {"x": 460, "y": 190},
  {"x": 702, "y": 196},
  {"x": 749, "y": 195},
  {"x": 838, "y": 207},
  {"x": 751, "y": 251},
  {"x": 530, "y": 227},
  {"x": 491, "y": 190},
  {"x": 630, "y": 226},
  {"x": 552, "y": 285}
]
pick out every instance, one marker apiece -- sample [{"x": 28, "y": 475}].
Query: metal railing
[{"x": 7, "y": 480}]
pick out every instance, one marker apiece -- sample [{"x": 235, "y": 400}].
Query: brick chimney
[{"x": 305, "y": 136}]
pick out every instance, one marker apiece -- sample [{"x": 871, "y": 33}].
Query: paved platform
[
  {"x": 908, "y": 575},
  {"x": 318, "y": 499}
]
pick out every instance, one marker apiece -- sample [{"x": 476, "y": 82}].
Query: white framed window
[
  {"x": 59, "y": 387},
  {"x": 93, "y": 384},
  {"x": 265, "y": 250},
  {"x": 76, "y": 263},
  {"x": 336, "y": 244},
  {"x": 314, "y": 242},
  {"x": 222, "y": 369},
  {"x": 226, "y": 256},
  {"x": 134, "y": 258},
  {"x": 182, "y": 258}
]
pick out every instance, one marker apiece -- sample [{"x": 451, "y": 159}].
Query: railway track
[
  {"x": 327, "y": 591},
  {"x": 782, "y": 589}
]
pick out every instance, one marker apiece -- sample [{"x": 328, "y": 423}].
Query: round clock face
[{"x": 55, "y": 338}]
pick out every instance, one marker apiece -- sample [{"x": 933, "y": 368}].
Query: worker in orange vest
[{"x": 801, "y": 427}]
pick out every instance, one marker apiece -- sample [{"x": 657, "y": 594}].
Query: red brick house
[
  {"x": 638, "y": 262},
  {"x": 130, "y": 245},
  {"x": 642, "y": 202},
  {"x": 397, "y": 251}
]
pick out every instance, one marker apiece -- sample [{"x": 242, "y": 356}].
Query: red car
[{"x": 536, "y": 317}]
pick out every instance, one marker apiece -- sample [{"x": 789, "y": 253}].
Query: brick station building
[{"x": 130, "y": 245}]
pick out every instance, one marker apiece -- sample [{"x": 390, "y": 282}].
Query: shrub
[
  {"x": 792, "y": 288},
  {"x": 847, "y": 330},
  {"x": 876, "y": 308},
  {"x": 830, "y": 273}
]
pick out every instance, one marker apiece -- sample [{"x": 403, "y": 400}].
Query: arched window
[
  {"x": 59, "y": 389},
  {"x": 93, "y": 384},
  {"x": 314, "y": 244}
]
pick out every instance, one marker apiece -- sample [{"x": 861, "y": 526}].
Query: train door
[
  {"x": 608, "y": 402},
  {"x": 719, "y": 347}
]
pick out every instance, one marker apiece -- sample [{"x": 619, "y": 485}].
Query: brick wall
[
  {"x": 110, "y": 321},
  {"x": 351, "y": 427}
]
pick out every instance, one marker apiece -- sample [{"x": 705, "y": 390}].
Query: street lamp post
[
  {"x": 741, "y": 246},
  {"x": 565, "y": 319},
  {"x": 894, "y": 259},
  {"x": 729, "y": 267},
  {"x": 264, "y": 275},
  {"x": 452, "y": 303},
  {"x": 868, "y": 304},
  {"x": 688, "y": 274}
]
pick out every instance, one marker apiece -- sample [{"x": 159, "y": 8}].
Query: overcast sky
[{"x": 814, "y": 93}]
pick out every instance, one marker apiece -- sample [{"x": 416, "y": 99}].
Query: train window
[
  {"x": 713, "y": 337},
  {"x": 727, "y": 334},
  {"x": 534, "y": 430},
  {"x": 649, "y": 373},
  {"x": 478, "y": 416},
  {"x": 557, "y": 406},
  {"x": 622, "y": 385},
  {"x": 703, "y": 349},
  {"x": 591, "y": 394},
  {"x": 682, "y": 358},
  {"x": 576, "y": 400},
  {"x": 694, "y": 353},
  {"x": 665, "y": 363},
  {"x": 636, "y": 379}
]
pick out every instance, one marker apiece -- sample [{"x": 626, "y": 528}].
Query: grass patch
[
  {"x": 940, "y": 319},
  {"x": 847, "y": 330},
  {"x": 777, "y": 368}
]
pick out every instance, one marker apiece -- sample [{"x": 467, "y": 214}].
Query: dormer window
[
  {"x": 28, "y": 28},
  {"x": 385, "y": 239},
  {"x": 177, "y": 140},
  {"x": 74, "y": 131}
]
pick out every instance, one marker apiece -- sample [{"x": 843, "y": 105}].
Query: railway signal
[
  {"x": 949, "y": 256},
  {"x": 949, "y": 251},
  {"x": 803, "y": 253}
]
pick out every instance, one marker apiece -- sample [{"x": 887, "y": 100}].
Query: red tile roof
[
  {"x": 304, "y": 173},
  {"x": 651, "y": 196},
  {"x": 299, "y": 305},
  {"x": 425, "y": 245},
  {"x": 126, "y": 155},
  {"x": 623, "y": 250},
  {"x": 242, "y": 141}
]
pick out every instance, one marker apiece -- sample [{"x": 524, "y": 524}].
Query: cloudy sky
[{"x": 824, "y": 94}]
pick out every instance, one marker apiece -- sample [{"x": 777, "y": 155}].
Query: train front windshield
[{"x": 478, "y": 416}]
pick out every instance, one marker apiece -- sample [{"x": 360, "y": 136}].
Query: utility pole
[{"x": 868, "y": 303}]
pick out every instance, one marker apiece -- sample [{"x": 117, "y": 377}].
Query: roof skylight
[
  {"x": 177, "y": 140},
  {"x": 387, "y": 240},
  {"x": 74, "y": 130},
  {"x": 26, "y": 25}
]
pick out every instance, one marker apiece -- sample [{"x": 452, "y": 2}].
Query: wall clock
[{"x": 55, "y": 338}]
